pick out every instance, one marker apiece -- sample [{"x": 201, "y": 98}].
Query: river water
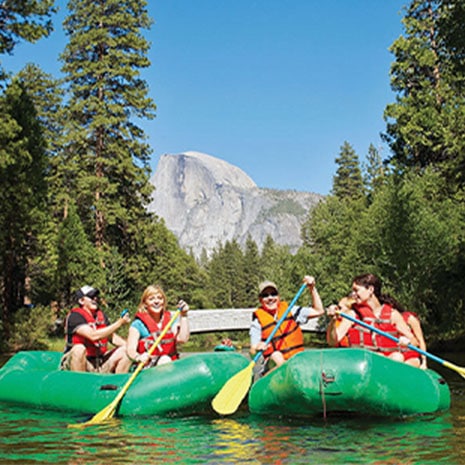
[{"x": 38, "y": 437}]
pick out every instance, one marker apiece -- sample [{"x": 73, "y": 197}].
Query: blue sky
[{"x": 274, "y": 87}]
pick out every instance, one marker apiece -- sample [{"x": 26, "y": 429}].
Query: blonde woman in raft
[{"x": 150, "y": 320}]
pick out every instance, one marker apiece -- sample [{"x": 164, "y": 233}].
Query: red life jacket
[
  {"x": 406, "y": 316},
  {"x": 167, "y": 344},
  {"x": 363, "y": 337},
  {"x": 407, "y": 353},
  {"x": 96, "y": 321},
  {"x": 288, "y": 339}
]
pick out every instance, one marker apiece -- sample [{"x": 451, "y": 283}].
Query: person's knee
[
  {"x": 164, "y": 359},
  {"x": 123, "y": 362},
  {"x": 397, "y": 356},
  {"x": 120, "y": 353},
  {"x": 415, "y": 362},
  {"x": 79, "y": 351},
  {"x": 75, "y": 359},
  {"x": 278, "y": 358}
]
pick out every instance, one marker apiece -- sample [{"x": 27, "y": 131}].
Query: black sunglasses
[{"x": 268, "y": 294}]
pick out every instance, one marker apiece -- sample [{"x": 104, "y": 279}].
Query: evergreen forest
[{"x": 74, "y": 178}]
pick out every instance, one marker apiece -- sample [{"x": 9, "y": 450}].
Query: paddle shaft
[
  {"x": 150, "y": 352},
  {"x": 107, "y": 412},
  {"x": 392, "y": 338},
  {"x": 232, "y": 393},
  {"x": 280, "y": 321}
]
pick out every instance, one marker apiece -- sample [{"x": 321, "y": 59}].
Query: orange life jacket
[
  {"x": 96, "y": 321},
  {"x": 288, "y": 339},
  {"x": 344, "y": 342},
  {"x": 362, "y": 337},
  {"x": 167, "y": 344}
]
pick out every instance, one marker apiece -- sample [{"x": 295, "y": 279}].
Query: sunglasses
[{"x": 268, "y": 294}]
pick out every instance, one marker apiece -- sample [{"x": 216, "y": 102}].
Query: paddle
[
  {"x": 230, "y": 396},
  {"x": 108, "y": 412},
  {"x": 459, "y": 370}
]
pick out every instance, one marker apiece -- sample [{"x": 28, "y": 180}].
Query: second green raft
[{"x": 348, "y": 381}]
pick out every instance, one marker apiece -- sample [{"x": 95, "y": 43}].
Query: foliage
[
  {"x": 374, "y": 171},
  {"x": 284, "y": 206},
  {"x": 22, "y": 175},
  {"x": 348, "y": 182},
  {"x": 78, "y": 264},
  {"x": 252, "y": 272},
  {"x": 31, "y": 328},
  {"x": 227, "y": 279},
  {"x": 425, "y": 124},
  {"x": 328, "y": 233},
  {"x": 25, "y": 20},
  {"x": 102, "y": 63},
  {"x": 328, "y": 236},
  {"x": 410, "y": 235}
]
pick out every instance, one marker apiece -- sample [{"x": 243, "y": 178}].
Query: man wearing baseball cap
[
  {"x": 87, "y": 332},
  {"x": 288, "y": 339}
]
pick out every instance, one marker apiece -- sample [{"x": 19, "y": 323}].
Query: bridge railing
[{"x": 234, "y": 319}]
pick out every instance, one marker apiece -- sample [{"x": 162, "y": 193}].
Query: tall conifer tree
[
  {"x": 417, "y": 75},
  {"x": 425, "y": 125},
  {"x": 46, "y": 95},
  {"x": 105, "y": 149},
  {"x": 22, "y": 183},
  {"x": 24, "y": 20},
  {"x": 348, "y": 181},
  {"x": 374, "y": 170}
]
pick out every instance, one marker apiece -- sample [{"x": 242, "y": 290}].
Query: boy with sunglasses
[
  {"x": 87, "y": 332},
  {"x": 288, "y": 339}
]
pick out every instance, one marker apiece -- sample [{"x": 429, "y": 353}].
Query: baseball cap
[
  {"x": 265, "y": 285},
  {"x": 87, "y": 291}
]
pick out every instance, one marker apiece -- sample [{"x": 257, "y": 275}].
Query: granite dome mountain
[{"x": 205, "y": 201}]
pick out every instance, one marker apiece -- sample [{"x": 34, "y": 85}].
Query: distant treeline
[{"x": 74, "y": 178}]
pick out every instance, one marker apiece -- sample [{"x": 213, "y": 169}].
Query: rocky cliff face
[{"x": 205, "y": 200}]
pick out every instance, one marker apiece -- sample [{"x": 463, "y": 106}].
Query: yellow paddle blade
[
  {"x": 459, "y": 370},
  {"x": 109, "y": 411},
  {"x": 104, "y": 415},
  {"x": 230, "y": 396}
]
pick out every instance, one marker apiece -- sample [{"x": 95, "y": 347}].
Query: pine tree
[
  {"x": 22, "y": 183},
  {"x": 106, "y": 148},
  {"x": 276, "y": 262},
  {"x": 252, "y": 271},
  {"x": 27, "y": 20},
  {"x": 218, "y": 283},
  {"x": 426, "y": 123},
  {"x": 374, "y": 170},
  {"x": 77, "y": 263},
  {"x": 348, "y": 182},
  {"x": 46, "y": 96}
]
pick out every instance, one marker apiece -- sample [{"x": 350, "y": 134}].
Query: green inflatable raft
[
  {"x": 186, "y": 386},
  {"x": 348, "y": 381}
]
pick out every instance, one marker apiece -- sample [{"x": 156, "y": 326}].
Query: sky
[{"x": 274, "y": 87}]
